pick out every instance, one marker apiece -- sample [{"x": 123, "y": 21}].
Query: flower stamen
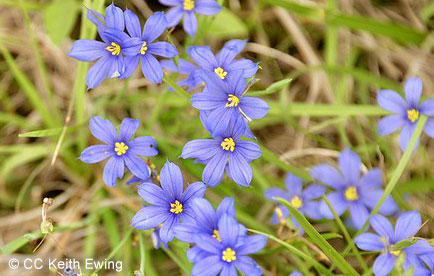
[
  {"x": 351, "y": 193},
  {"x": 220, "y": 72},
  {"x": 144, "y": 48},
  {"x": 176, "y": 207},
  {"x": 188, "y": 5},
  {"x": 395, "y": 252},
  {"x": 229, "y": 255},
  {"x": 120, "y": 148},
  {"x": 115, "y": 49},
  {"x": 297, "y": 202},
  {"x": 216, "y": 235},
  {"x": 232, "y": 101},
  {"x": 413, "y": 115},
  {"x": 228, "y": 144}
]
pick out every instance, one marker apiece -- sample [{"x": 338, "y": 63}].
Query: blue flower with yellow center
[
  {"x": 225, "y": 152},
  {"x": 188, "y": 10},
  {"x": 121, "y": 151},
  {"x": 304, "y": 200},
  {"x": 109, "y": 53},
  {"x": 225, "y": 102},
  {"x": 229, "y": 254},
  {"x": 168, "y": 204},
  {"x": 143, "y": 46},
  {"x": 352, "y": 191},
  {"x": 407, "y": 112},
  {"x": 407, "y": 225}
]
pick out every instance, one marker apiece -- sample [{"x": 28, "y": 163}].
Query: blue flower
[
  {"x": 229, "y": 254},
  {"x": 296, "y": 273},
  {"x": 143, "y": 48},
  {"x": 121, "y": 151},
  {"x": 168, "y": 205},
  {"x": 224, "y": 64},
  {"x": 188, "y": 8},
  {"x": 225, "y": 102},
  {"x": 407, "y": 112},
  {"x": 110, "y": 62},
  {"x": 224, "y": 152},
  {"x": 352, "y": 191},
  {"x": 184, "y": 67},
  {"x": 406, "y": 227},
  {"x": 302, "y": 200}
]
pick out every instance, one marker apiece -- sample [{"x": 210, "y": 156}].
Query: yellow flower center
[
  {"x": 351, "y": 193},
  {"x": 229, "y": 255},
  {"x": 216, "y": 235},
  {"x": 120, "y": 148},
  {"x": 232, "y": 101},
  {"x": 296, "y": 202},
  {"x": 279, "y": 214},
  {"x": 115, "y": 49},
  {"x": 395, "y": 252},
  {"x": 144, "y": 48},
  {"x": 228, "y": 144},
  {"x": 188, "y": 5},
  {"x": 220, "y": 72},
  {"x": 176, "y": 207},
  {"x": 413, "y": 115}
]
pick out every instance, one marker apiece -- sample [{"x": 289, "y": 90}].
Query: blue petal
[
  {"x": 236, "y": 83},
  {"x": 350, "y": 165},
  {"x": 154, "y": 195},
  {"x": 419, "y": 248},
  {"x": 208, "y": 100},
  {"x": 201, "y": 148},
  {"x": 209, "y": 266},
  {"x": 254, "y": 108},
  {"x": 252, "y": 244},
  {"x": 382, "y": 226},
  {"x": 162, "y": 49},
  {"x": 384, "y": 264},
  {"x": 390, "y": 124},
  {"x": 213, "y": 83},
  {"x": 328, "y": 175},
  {"x": 116, "y": 66},
  {"x": 207, "y": 7},
  {"x": 391, "y": 101},
  {"x": 151, "y": 68},
  {"x": 228, "y": 270},
  {"x": 359, "y": 214},
  {"x": 405, "y": 136},
  {"x": 272, "y": 193},
  {"x": 144, "y": 146},
  {"x": 185, "y": 232},
  {"x": 296, "y": 273},
  {"x": 204, "y": 214},
  {"x": 231, "y": 49},
  {"x": 171, "y": 180},
  {"x": 194, "y": 190},
  {"x": 195, "y": 254},
  {"x": 113, "y": 169},
  {"x": 115, "y": 35},
  {"x": 427, "y": 107},
  {"x": 293, "y": 184},
  {"x": 371, "y": 196},
  {"x": 130, "y": 66},
  {"x": 314, "y": 191},
  {"x": 203, "y": 56},
  {"x": 114, "y": 17},
  {"x": 190, "y": 23},
  {"x": 213, "y": 173},
  {"x": 154, "y": 27},
  {"x": 96, "y": 18},
  {"x": 239, "y": 169},
  {"x": 247, "y": 66},
  {"x": 171, "y": 2},
  {"x": 228, "y": 231},
  {"x": 429, "y": 128},
  {"x": 136, "y": 166},
  {"x": 103, "y": 130},
  {"x": 128, "y": 127},
  {"x": 248, "y": 149},
  {"x": 132, "y": 23},
  {"x": 310, "y": 208},
  {"x": 338, "y": 203},
  {"x": 208, "y": 244},
  {"x": 96, "y": 153},
  {"x": 87, "y": 50},
  {"x": 248, "y": 266},
  {"x": 98, "y": 72},
  {"x": 149, "y": 217},
  {"x": 174, "y": 15},
  {"x": 166, "y": 231},
  {"x": 219, "y": 120},
  {"x": 369, "y": 242},
  {"x": 413, "y": 90},
  {"x": 226, "y": 206},
  {"x": 372, "y": 179},
  {"x": 407, "y": 225},
  {"x": 131, "y": 46}
]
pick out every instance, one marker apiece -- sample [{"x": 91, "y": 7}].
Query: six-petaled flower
[{"x": 121, "y": 151}]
